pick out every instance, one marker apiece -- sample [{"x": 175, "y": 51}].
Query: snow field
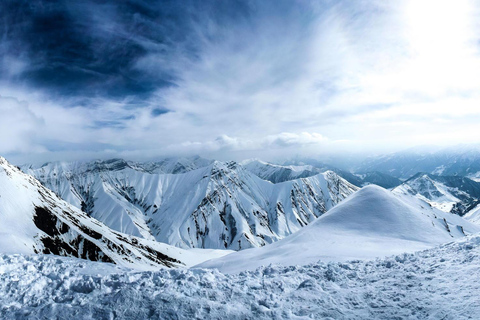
[{"x": 439, "y": 283}]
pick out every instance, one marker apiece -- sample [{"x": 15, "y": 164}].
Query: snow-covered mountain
[
  {"x": 279, "y": 173},
  {"x": 218, "y": 206},
  {"x": 373, "y": 222},
  {"x": 34, "y": 220},
  {"x": 453, "y": 194}
]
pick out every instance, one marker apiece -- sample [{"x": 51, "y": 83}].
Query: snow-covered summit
[
  {"x": 279, "y": 173},
  {"x": 371, "y": 223}
]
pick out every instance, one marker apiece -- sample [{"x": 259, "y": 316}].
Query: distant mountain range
[
  {"x": 453, "y": 161},
  {"x": 152, "y": 215},
  {"x": 307, "y": 168}
]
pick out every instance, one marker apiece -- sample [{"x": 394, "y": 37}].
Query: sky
[{"x": 233, "y": 79}]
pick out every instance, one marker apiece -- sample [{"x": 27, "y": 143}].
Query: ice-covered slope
[
  {"x": 452, "y": 194},
  {"x": 371, "y": 223},
  {"x": 34, "y": 220},
  {"x": 219, "y": 206}
]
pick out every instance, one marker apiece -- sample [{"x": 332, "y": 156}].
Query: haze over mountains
[{"x": 463, "y": 160}]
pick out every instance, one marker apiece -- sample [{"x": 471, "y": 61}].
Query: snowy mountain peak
[{"x": 35, "y": 220}]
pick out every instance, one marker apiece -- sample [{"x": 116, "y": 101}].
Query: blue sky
[{"x": 235, "y": 79}]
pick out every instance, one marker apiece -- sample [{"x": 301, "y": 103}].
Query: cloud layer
[{"x": 233, "y": 79}]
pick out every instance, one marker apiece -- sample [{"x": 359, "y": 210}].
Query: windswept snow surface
[
  {"x": 439, "y": 283},
  {"x": 371, "y": 223},
  {"x": 220, "y": 206}
]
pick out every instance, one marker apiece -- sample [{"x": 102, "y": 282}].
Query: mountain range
[{"x": 206, "y": 204}]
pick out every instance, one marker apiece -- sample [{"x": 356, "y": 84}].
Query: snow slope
[
  {"x": 34, "y": 220},
  {"x": 473, "y": 215},
  {"x": 218, "y": 206},
  {"x": 371, "y": 223},
  {"x": 439, "y": 283},
  {"x": 453, "y": 194}
]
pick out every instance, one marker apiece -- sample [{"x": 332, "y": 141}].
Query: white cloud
[{"x": 19, "y": 127}]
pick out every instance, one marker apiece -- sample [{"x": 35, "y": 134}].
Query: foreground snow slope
[
  {"x": 439, "y": 283},
  {"x": 371, "y": 223},
  {"x": 218, "y": 206},
  {"x": 34, "y": 220}
]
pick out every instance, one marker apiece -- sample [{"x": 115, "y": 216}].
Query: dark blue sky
[{"x": 90, "y": 48}]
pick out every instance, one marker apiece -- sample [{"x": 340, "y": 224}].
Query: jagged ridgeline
[{"x": 193, "y": 203}]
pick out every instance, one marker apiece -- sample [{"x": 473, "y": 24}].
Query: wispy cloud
[{"x": 149, "y": 79}]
